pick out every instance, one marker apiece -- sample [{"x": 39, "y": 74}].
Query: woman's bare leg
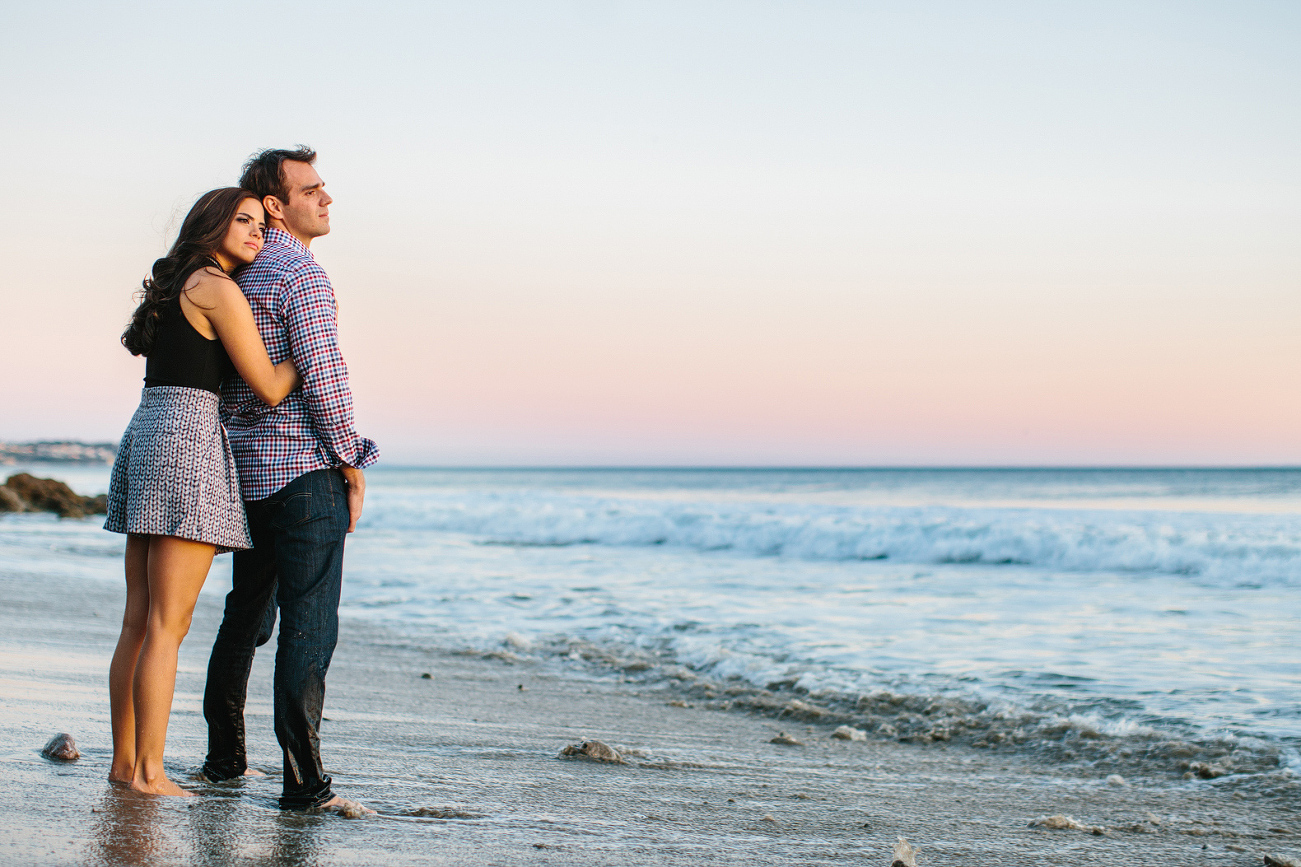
[
  {"x": 122, "y": 671},
  {"x": 177, "y": 569}
]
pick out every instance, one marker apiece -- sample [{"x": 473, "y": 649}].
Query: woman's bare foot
[
  {"x": 160, "y": 786},
  {"x": 345, "y": 808},
  {"x": 121, "y": 776}
]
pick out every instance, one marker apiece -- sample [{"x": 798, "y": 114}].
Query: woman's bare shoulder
[{"x": 209, "y": 286}]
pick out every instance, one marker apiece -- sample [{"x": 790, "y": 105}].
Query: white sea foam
[{"x": 1214, "y": 547}]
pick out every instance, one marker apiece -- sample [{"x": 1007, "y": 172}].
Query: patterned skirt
[{"x": 174, "y": 474}]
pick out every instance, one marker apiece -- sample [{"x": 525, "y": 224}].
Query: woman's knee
[
  {"x": 174, "y": 624},
  {"x": 135, "y": 621}
]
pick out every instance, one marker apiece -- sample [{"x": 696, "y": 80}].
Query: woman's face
[{"x": 244, "y": 237}]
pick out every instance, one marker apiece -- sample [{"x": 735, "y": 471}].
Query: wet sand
[{"x": 464, "y": 768}]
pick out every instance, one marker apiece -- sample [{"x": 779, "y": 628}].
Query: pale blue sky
[{"x": 700, "y": 232}]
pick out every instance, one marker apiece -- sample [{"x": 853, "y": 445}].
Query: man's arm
[{"x": 314, "y": 342}]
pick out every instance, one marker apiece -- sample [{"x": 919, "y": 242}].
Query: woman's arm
[{"x": 220, "y": 301}]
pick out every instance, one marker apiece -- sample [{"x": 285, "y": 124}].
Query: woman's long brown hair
[{"x": 200, "y": 236}]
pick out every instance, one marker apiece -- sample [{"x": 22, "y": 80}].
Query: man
[{"x": 300, "y": 468}]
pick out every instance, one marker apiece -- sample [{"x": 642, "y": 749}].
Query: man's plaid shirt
[{"x": 293, "y": 305}]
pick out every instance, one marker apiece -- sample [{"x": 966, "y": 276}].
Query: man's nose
[{"x": 327, "y": 198}]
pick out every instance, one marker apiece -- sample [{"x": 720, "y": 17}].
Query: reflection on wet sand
[
  {"x": 132, "y": 829},
  {"x": 220, "y": 838},
  {"x": 296, "y": 840},
  {"x": 127, "y": 830}
]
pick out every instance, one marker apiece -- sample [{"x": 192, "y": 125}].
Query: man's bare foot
[
  {"x": 254, "y": 772},
  {"x": 345, "y": 808},
  {"x": 160, "y": 786},
  {"x": 120, "y": 776}
]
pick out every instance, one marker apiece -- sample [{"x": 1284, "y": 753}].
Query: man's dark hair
[{"x": 264, "y": 172}]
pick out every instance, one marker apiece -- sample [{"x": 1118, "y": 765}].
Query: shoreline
[{"x": 464, "y": 768}]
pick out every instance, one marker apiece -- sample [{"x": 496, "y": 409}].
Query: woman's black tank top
[{"x": 182, "y": 356}]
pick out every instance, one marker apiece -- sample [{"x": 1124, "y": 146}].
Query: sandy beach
[{"x": 464, "y": 768}]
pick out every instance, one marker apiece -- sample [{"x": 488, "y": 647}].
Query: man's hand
[{"x": 356, "y": 482}]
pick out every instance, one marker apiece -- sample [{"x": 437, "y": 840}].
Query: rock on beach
[
  {"x": 786, "y": 740},
  {"x": 1060, "y": 822},
  {"x": 1281, "y": 861},
  {"x": 593, "y": 751},
  {"x": 61, "y": 747},
  {"x": 24, "y": 492},
  {"x": 849, "y": 733}
]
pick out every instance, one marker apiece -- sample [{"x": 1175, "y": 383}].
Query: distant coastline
[{"x": 58, "y": 451}]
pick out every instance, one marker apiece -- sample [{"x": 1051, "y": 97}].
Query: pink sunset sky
[{"x": 684, "y": 233}]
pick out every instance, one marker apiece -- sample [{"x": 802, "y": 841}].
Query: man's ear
[{"x": 275, "y": 208}]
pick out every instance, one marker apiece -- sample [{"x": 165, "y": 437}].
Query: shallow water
[{"x": 1128, "y": 606}]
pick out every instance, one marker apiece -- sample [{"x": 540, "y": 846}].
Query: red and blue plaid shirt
[{"x": 293, "y": 305}]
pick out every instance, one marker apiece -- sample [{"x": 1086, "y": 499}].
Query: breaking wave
[{"x": 1217, "y": 547}]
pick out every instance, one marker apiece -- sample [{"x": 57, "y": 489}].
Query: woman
[{"x": 174, "y": 490}]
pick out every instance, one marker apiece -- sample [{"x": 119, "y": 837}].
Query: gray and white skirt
[{"x": 174, "y": 474}]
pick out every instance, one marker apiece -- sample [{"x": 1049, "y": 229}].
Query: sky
[{"x": 695, "y": 233}]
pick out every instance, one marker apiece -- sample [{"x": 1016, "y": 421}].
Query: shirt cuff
[{"x": 362, "y": 453}]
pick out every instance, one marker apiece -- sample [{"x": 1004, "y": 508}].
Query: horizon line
[{"x": 836, "y": 467}]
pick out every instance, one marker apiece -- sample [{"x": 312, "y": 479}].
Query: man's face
[{"x": 307, "y": 213}]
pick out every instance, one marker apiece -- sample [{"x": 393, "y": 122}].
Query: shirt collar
[{"x": 272, "y": 235}]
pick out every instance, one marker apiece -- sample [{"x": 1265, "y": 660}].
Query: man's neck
[{"x": 280, "y": 224}]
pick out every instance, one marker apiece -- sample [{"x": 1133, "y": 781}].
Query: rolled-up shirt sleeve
[{"x": 310, "y": 318}]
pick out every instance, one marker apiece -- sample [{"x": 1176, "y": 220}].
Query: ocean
[{"x": 1128, "y": 620}]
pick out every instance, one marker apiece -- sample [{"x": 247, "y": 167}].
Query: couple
[{"x": 280, "y": 483}]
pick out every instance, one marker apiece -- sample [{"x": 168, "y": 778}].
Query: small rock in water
[
  {"x": 769, "y": 818},
  {"x": 443, "y": 813},
  {"x": 905, "y": 855},
  {"x": 1205, "y": 771},
  {"x": 798, "y": 708},
  {"x": 849, "y": 733},
  {"x": 426, "y": 676},
  {"x": 593, "y": 751},
  {"x": 786, "y": 740},
  {"x": 1060, "y": 822},
  {"x": 1116, "y": 780},
  {"x": 62, "y": 747},
  {"x": 1281, "y": 861}
]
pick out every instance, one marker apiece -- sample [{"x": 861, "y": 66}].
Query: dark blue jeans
[{"x": 296, "y": 563}]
